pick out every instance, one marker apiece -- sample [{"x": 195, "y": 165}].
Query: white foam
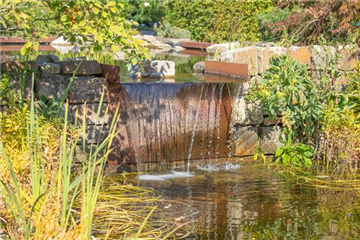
[
  {"x": 231, "y": 166},
  {"x": 163, "y": 177},
  {"x": 215, "y": 167},
  {"x": 209, "y": 168}
]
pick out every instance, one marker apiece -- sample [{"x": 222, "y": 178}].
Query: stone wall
[
  {"x": 257, "y": 57},
  {"x": 91, "y": 83},
  {"x": 253, "y": 130}
]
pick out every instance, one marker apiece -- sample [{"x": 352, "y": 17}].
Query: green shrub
[
  {"x": 286, "y": 89},
  {"x": 218, "y": 20},
  {"x": 167, "y": 30}
]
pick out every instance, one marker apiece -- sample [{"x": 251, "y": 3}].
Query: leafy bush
[
  {"x": 297, "y": 154},
  {"x": 272, "y": 23},
  {"x": 308, "y": 20},
  {"x": 286, "y": 89},
  {"x": 166, "y": 30},
  {"x": 145, "y": 12},
  {"x": 219, "y": 20}
]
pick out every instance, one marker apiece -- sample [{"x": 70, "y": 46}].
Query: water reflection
[{"x": 253, "y": 202}]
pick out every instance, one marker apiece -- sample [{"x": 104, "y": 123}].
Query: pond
[{"x": 251, "y": 201}]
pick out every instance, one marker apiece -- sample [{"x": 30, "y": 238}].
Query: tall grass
[{"x": 52, "y": 187}]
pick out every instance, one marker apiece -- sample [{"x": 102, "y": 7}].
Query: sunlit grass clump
[{"x": 46, "y": 193}]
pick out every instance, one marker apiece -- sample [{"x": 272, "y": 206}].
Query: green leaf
[
  {"x": 111, "y": 3},
  {"x": 63, "y": 18},
  {"x": 96, "y": 10},
  {"x": 134, "y": 61},
  {"x": 278, "y": 152},
  {"x": 23, "y": 50}
]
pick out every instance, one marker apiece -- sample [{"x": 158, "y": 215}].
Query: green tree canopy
[{"x": 92, "y": 24}]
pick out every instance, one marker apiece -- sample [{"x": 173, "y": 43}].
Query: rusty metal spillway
[{"x": 170, "y": 124}]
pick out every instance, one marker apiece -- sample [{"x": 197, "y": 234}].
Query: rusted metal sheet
[
  {"x": 18, "y": 40},
  {"x": 236, "y": 70},
  {"x": 191, "y": 52},
  {"x": 17, "y": 47},
  {"x": 196, "y": 45}
]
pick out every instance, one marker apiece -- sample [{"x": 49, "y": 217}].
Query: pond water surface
[{"x": 251, "y": 201}]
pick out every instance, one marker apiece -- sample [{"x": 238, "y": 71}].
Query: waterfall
[{"x": 169, "y": 125}]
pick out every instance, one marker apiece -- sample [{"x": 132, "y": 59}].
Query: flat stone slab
[
  {"x": 86, "y": 68},
  {"x": 246, "y": 55},
  {"x": 90, "y": 111},
  {"x": 88, "y": 89},
  {"x": 48, "y": 58},
  {"x": 246, "y": 141},
  {"x": 52, "y": 86},
  {"x": 266, "y": 53},
  {"x": 236, "y": 70},
  {"x": 269, "y": 139},
  {"x": 301, "y": 54},
  {"x": 15, "y": 66},
  {"x": 49, "y": 68},
  {"x": 154, "y": 69}
]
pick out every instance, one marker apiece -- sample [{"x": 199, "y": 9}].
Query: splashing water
[{"x": 163, "y": 177}]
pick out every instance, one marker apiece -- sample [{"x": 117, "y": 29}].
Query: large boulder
[
  {"x": 246, "y": 113},
  {"x": 246, "y": 55},
  {"x": 86, "y": 68},
  {"x": 199, "y": 68},
  {"x": 51, "y": 86},
  {"x": 266, "y": 53},
  {"x": 88, "y": 89},
  {"x": 349, "y": 56},
  {"x": 217, "y": 49},
  {"x": 301, "y": 54},
  {"x": 154, "y": 69},
  {"x": 15, "y": 66},
  {"x": 321, "y": 56},
  {"x": 269, "y": 139},
  {"x": 48, "y": 58}
]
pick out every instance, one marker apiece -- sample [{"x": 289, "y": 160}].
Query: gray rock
[
  {"x": 88, "y": 89},
  {"x": 320, "y": 56},
  {"x": 86, "y": 68},
  {"x": 49, "y": 68},
  {"x": 15, "y": 66},
  {"x": 94, "y": 134},
  {"x": 265, "y": 54},
  {"x": 269, "y": 139},
  {"x": 15, "y": 83},
  {"x": 52, "y": 86},
  {"x": 48, "y": 58},
  {"x": 220, "y": 48},
  {"x": 245, "y": 55},
  {"x": 245, "y": 113},
  {"x": 154, "y": 69},
  {"x": 199, "y": 67},
  {"x": 75, "y": 59},
  {"x": 90, "y": 112},
  {"x": 246, "y": 141}
]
